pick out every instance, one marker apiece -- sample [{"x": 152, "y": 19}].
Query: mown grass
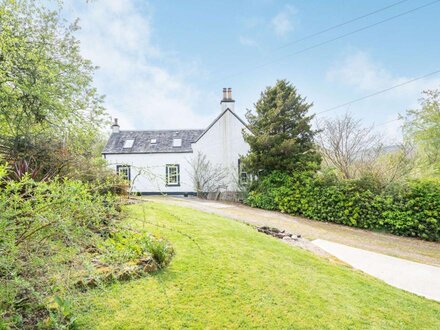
[{"x": 235, "y": 277}]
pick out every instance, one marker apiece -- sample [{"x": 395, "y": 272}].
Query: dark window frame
[
  {"x": 167, "y": 166},
  {"x": 241, "y": 172},
  {"x": 121, "y": 167}
]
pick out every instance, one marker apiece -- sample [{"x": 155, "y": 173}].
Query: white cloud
[
  {"x": 360, "y": 71},
  {"x": 117, "y": 36},
  {"x": 246, "y": 41},
  {"x": 391, "y": 130},
  {"x": 363, "y": 76},
  {"x": 252, "y": 22},
  {"x": 283, "y": 22}
]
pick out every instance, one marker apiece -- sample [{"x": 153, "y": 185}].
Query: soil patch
[{"x": 295, "y": 240}]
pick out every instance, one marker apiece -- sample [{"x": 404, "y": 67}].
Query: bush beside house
[
  {"x": 59, "y": 233},
  {"x": 406, "y": 209}
]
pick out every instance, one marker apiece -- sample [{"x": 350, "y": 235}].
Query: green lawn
[{"x": 244, "y": 279}]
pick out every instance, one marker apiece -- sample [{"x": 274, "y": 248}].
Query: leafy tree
[
  {"x": 423, "y": 127},
  {"x": 281, "y": 136},
  {"x": 49, "y": 110}
]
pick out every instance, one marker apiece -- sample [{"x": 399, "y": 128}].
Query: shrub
[
  {"x": 408, "y": 209},
  {"x": 125, "y": 246},
  {"x": 44, "y": 228},
  {"x": 52, "y": 232},
  {"x": 57, "y": 233},
  {"x": 415, "y": 210}
]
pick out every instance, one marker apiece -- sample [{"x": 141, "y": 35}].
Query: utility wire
[
  {"x": 379, "y": 92},
  {"x": 348, "y": 104},
  {"x": 387, "y": 122},
  {"x": 342, "y": 24},
  {"x": 329, "y": 40}
]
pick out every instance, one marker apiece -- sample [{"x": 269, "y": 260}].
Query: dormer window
[
  {"x": 153, "y": 141},
  {"x": 177, "y": 142},
  {"x": 128, "y": 144}
]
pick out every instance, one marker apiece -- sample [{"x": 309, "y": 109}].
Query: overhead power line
[
  {"x": 329, "y": 40},
  {"x": 386, "y": 122},
  {"x": 342, "y": 24},
  {"x": 379, "y": 92},
  {"x": 364, "y": 28}
]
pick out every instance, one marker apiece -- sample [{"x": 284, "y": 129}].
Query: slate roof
[
  {"x": 164, "y": 139},
  {"x": 142, "y": 141}
]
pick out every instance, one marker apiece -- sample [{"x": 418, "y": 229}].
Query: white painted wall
[
  {"x": 155, "y": 166},
  {"x": 223, "y": 144}
]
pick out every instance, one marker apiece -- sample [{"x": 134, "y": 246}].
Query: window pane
[
  {"x": 128, "y": 143},
  {"x": 172, "y": 174},
  {"x": 177, "y": 142},
  {"x": 123, "y": 171}
]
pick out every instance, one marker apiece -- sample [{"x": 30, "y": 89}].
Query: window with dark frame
[
  {"x": 124, "y": 171},
  {"x": 173, "y": 175},
  {"x": 242, "y": 175}
]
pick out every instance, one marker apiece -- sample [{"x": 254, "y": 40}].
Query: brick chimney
[
  {"x": 227, "y": 102},
  {"x": 115, "y": 126}
]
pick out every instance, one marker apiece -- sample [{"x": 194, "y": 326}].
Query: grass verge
[{"x": 227, "y": 275}]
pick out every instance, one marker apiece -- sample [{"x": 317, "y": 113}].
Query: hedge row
[{"x": 407, "y": 209}]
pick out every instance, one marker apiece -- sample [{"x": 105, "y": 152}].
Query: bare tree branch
[
  {"x": 206, "y": 177},
  {"x": 348, "y": 146}
]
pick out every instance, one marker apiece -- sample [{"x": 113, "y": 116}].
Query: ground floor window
[
  {"x": 124, "y": 171},
  {"x": 242, "y": 175},
  {"x": 173, "y": 175}
]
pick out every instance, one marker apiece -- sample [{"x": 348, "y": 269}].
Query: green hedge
[{"x": 407, "y": 209}]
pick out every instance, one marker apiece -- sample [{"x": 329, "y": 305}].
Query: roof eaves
[{"x": 147, "y": 152}]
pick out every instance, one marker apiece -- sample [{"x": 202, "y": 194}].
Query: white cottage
[{"x": 159, "y": 161}]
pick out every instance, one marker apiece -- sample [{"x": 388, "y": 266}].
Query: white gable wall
[{"x": 223, "y": 144}]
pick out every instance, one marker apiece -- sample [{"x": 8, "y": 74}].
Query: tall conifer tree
[{"x": 281, "y": 136}]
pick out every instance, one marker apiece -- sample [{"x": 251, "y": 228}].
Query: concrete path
[{"x": 414, "y": 277}]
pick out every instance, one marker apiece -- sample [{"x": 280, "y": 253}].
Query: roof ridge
[{"x": 161, "y": 130}]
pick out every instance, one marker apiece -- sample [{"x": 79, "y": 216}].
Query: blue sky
[{"x": 163, "y": 63}]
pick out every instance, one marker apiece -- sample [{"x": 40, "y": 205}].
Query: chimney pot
[
  {"x": 227, "y": 102},
  {"x": 115, "y": 126}
]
